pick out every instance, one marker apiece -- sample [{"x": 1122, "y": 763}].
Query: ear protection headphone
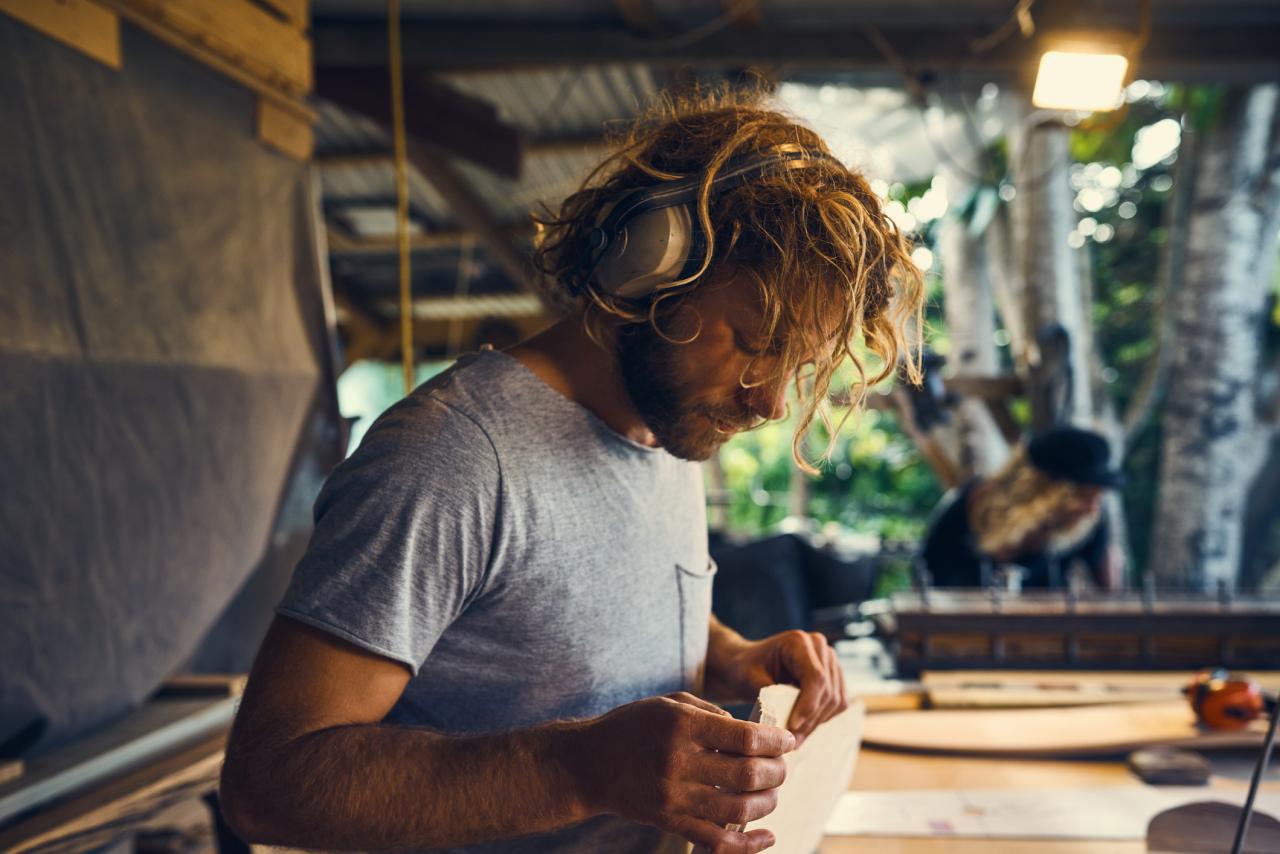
[
  {"x": 649, "y": 239},
  {"x": 1223, "y": 700}
]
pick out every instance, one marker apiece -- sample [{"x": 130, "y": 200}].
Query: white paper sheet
[{"x": 1121, "y": 812}]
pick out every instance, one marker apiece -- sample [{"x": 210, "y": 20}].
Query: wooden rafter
[
  {"x": 342, "y": 244},
  {"x": 369, "y": 96},
  {"x": 640, "y": 16},
  {"x": 592, "y": 143},
  {"x": 1176, "y": 49},
  {"x": 435, "y": 114}
]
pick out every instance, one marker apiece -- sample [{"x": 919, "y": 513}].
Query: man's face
[{"x": 691, "y": 395}]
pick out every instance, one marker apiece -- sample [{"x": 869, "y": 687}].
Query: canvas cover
[{"x": 165, "y": 377}]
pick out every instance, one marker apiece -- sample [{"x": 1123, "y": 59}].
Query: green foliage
[{"x": 873, "y": 481}]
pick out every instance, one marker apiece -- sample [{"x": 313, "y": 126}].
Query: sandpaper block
[{"x": 1170, "y": 766}]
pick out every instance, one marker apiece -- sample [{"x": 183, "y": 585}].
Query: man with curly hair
[{"x": 500, "y": 637}]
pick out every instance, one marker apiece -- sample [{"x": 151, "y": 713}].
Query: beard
[{"x": 650, "y": 369}]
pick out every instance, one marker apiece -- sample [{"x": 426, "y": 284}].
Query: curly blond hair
[
  {"x": 1019, "y": 502},
  {"x": 833, "y": 271}
]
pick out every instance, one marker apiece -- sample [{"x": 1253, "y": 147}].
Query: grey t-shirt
[{"x": 523, "y": 559}]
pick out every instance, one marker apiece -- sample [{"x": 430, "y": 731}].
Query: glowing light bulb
[{"x": 1079, "y": 80}]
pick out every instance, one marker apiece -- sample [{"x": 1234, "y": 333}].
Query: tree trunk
[
  {"x": 970, "y": 314},
  {"x": 1213, "y": 441},
  {"x": 1007, "y": 285},
  {"x": 1043, "y": 217},
  {"x": 1106, "y": 419}
]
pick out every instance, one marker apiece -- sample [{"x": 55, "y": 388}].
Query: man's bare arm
[{"x": 309, "y": 765}]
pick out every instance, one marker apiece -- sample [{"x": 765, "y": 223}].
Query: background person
[{"x": 1042, "y": 512}]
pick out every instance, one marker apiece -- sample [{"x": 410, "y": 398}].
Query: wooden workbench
[{"x": 882, "y": 770}]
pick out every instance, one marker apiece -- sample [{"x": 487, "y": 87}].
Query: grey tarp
[{"x": 164, "y": 369}]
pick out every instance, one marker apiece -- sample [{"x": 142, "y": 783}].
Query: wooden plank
[
  {"x": 152, "y": 730},
  {"x": 880, "y": 771},
  {"x": 449, "y": 238},
  {"x": 11, "y": 769},
  {"x": 1268, "y": 679},
  {"x": 296, "y": 12},
  {"x": 1081, "y": 731},
  {"x": 1176, "y": 49},
  {"x": 236, "y": 31},
  {"x": 204, "y": 685},
  {"x": 555, "y": 146},
  {"x": 284, "y": 130},
  {"x": 818, "y": 771},
  {"x": 1032, "y": 688},
  {"x": 103, "y": 814},
  {"x": 79, "y": 24},
  {"x": 640, "y": 16},
  {"x": 745, "y": 13}
]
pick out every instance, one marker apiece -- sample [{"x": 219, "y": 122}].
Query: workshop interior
[{"x": 238, "y": 231}]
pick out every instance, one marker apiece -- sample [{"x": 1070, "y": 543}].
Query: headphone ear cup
[{"x": 651, "y": 250}]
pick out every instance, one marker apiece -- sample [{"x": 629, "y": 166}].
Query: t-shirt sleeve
[{"x": 403, "y": 533}]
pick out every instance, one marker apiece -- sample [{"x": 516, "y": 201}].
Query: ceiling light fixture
[
  {"x": 1080, "y": 79},
  {"x": 1088, "y": 71}
]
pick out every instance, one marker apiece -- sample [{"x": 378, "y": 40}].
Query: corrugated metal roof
[
  {"x": 547, "y": 179},
  {"x": 549, "y": 104},
  {"x": 340, "y": 131},
  {"x": 562, "y": 102},
  {"x": 375, "y": 182}
]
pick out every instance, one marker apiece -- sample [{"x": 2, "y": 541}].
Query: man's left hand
[{"x": 738, "y": 669}]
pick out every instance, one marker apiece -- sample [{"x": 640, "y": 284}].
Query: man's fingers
[
  {"x": 739, "y": 773},
  {"x": 740, "y": 737},
  {"x": 837, "y": 680},
  {"x": 710, "y": 837},
  {"x": 810, "y": 671},
  {"x": 735, "y": 808},
  {"x": 692, "y": 700}
]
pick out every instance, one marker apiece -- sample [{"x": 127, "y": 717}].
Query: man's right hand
[{"x": 684, "y": 765}]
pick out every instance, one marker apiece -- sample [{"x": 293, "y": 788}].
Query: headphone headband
[
  {"x": 666, "y": 244},
  {"x": 685, "y": 190}
]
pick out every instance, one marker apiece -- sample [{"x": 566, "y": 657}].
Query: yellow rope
[{"x": 402, "y": 193}]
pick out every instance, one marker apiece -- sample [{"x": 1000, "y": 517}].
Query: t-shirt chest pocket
[{"x": 693, "y": 588}]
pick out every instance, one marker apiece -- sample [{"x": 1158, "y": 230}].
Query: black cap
[{"x": 1075, "y": 455}]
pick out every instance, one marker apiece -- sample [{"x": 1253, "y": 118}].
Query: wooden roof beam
[
  {"x": 583, "y": 143},
  {"x": 342, "y": 244},
  {"x": 1177, "y": 50},
  {"x": 434, "y": 113}
]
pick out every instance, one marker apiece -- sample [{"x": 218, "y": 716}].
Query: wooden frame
[{"x": 80, "y": 24}]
